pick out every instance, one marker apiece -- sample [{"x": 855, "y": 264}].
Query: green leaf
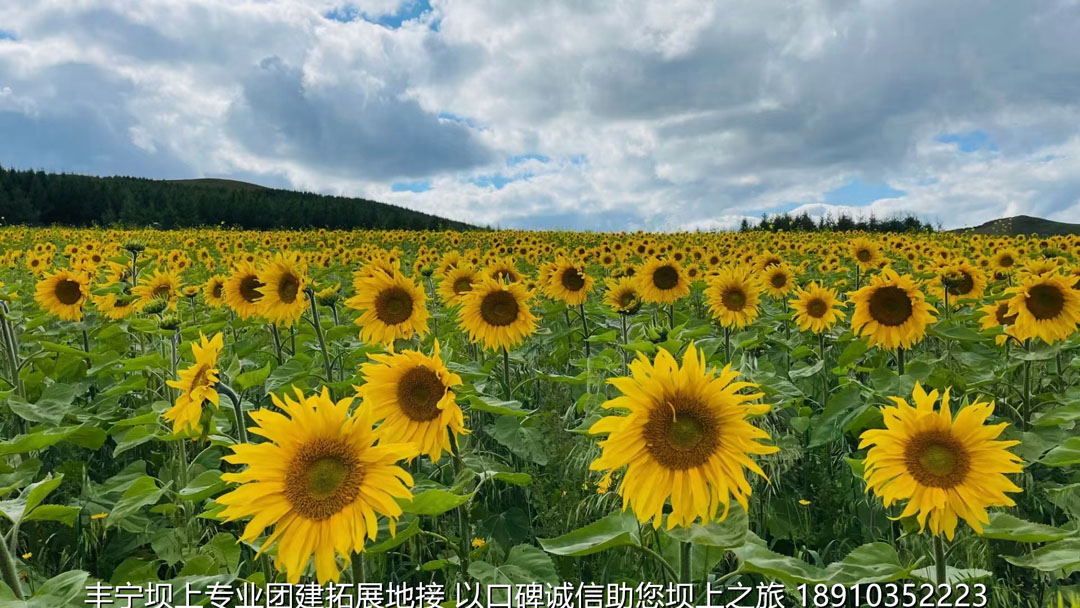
[
  {"x": 393, "y": 541},
  {"x": 842, "y": 408},
  {"x": 1061, "y": 555},
  {"x": 524, "y": 564},
  {"x": 1068, "y": 453},
  {"x": 36, "y": 493},
  {"x": 133, "y": 437},
  {"x": 523, "y": 440},
  {"x": 802, "y": 370},
  {"x": 755, "y": 557},
  {"x": 287, "y": 374},
  {"x": 59, "y": 590},
  {"x": 952, "y": 575},
  {"x": 63, "y": 514},
  {"x": 619, "y": 529},
  {"x": 433, "y": 502},
  {"x": 852, "y": 352},
  {"x": 497, "y": 406},
  {"x": 255, "y": 377},
  {"x": 1003, "y": 526},
  {"x": 53, "y": 347},
  {"x": 1058, "y": 416},
  {"x": 205, "y": 485},
  {"x": 143, "y": 492},
  {"x": 52, "y": 407},
  {"x": 870, "y": 563},
  {"x": 726, "y": 534}
]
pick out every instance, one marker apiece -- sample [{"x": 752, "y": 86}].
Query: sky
[{"x": 575, "y": 114}]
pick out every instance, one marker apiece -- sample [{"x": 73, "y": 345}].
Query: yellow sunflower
[
  {"x": 1046, "y": 306},
  {"x": 685, "y": 437},
  {"x": 891, "y": 311},
  {"x": 1005, "y": 259},
  {"x": 392, "y": 306},
  {"x": 569, "y": 282},
  {"x": 115, "y": 306},
  {"x": 997, "y": 314},
  {"x": 622, "y": 295},
  {"x": 962, "y": 280},
  {"x": 197, "y": 384},
  {"x": 242, "y": 293},
  {"x": 320, "y": 481},
  {"x": 778, "y": 280},
  {"x": 944, "y": 467},
  {"x": 283, "y": 298},
  {"x": 816, "y": 308},
  {"x": 662, "y": 281},
  {"x": 413, "y": 395},
  {"x": 161, "y": 285},
  {"x": 63, "y": 293},
  {"x": 497, "y": 314},
  {"x": 866, "y": 253},
  {"x": 214, "y": 291},
  {"x": 456, "y": 283},
  {"x": 734, "y": 296}
]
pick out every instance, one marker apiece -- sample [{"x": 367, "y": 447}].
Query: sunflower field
[{"x": 498, "y": 418}]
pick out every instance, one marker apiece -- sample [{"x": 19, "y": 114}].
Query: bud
[
  {"x": 170, "y": 322},
  {"x": 134, "y": 246},
  {"x": 156, "y": 306}
]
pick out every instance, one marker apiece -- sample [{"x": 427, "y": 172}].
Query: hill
[
  {"x": 36, "y": 197},
  {"x": 1024, "y": 224}
]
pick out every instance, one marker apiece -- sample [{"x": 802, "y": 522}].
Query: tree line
[
  {"x": 36, "y": 197},
  {"x": 803, "y": 221}
]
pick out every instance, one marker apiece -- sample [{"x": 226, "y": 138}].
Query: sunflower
[
  {"x": 891, "y": 311},
  {"x": 997, "y": 314},
  {"x": 963, "y": 280},
  {"x": 196, "y": 385},
  {"x": 942, "y": 466},
  {"x": 320, "y": 480},
  {"x": 115, "y": 306},
  {"x": 283, "y": 298},
  {"x": 1046, "y": 306},
  {"x": 686, "y": 437},
  {"x": 816, "y": 308},
  {"x": 242, "y": 293},
  {"x": 622, "y": 295},
  {"x": 456, "y": 283},
  {"x": 866, "y": 253},
  {"x": 1005, "y": 259},
  {"x": 413, "y": 395},
  {"x": 162, "y": 285},
  {"x": 569, "y": 283},
  {"x": 214, "y": 291},
  {"x": 63, "y": 293},
  {"x": 662, "y": 281},
  {"x": 733, "y": 296},
  {"x": 393, "y": 307},
  {"x": 778, "y": 279},
  {"x": 497, "y": 314}
]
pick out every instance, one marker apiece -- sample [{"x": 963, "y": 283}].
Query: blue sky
[{"x": 562, "y": 114}]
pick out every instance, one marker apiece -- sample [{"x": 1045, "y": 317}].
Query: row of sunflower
[{"x": 675, "y": 375}]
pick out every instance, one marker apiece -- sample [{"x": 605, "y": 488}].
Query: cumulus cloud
[{"x": 672, "y": 115}]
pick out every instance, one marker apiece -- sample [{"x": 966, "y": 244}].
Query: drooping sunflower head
[
  {"x": 778, "y": 280},
  {"x": 662, "y": 281},
  {"x": 196, "y": 384},
  {"x": 622, "y": 295},
  {"x": 283, "y": 297},
  {"x": 393, "y": 307},
  {"x": 320, "y": 481},
  {"x": 686, "y": 436},
  {"x": 734, "y": 295},
  {"x": 568, "y": 282},
  {"x": 63, "y": 293},
  {"x": 456, "y": 282},
  {"x": 214, "y": 291},
  {"x": 1046, "y": 306},
  {"x": 242, "y": 293},
  {"x": 944, "y": 467},
  {"x": 413, "y": 395},
  {"x": 891, "y": 311},
  {"x": 996, "y": 314},
  {"x": 162, "y": 285},
  {"x": 962, "y": 280},
  {"x": 497, "y": 314},
  {"x": 816, "y": 308}
]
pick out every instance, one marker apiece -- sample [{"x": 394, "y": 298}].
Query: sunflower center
[
  {"x": 68, "y": 292},
  {"x": 682, "y": 433},
  {"x": 393, "y": 305},
  {"x": 323, "y": 478},
  {"x": 249, "y": 288},
  {"x": 572, "y": 280},
  {"x": 1045, "y": 301},
  {"x": 937, "y": 459},
  {"x": 665, "y": 277},
  {"x": 419, "y": 392},
  {"x": 499, "y": 308},
  {"x": 216, "y": 290},
  {"x": 778, "y": 280},
  {"x": 462, "y": 285},
  {"x": 817, "y": 308},
  {"x": 627, "y": 299},
  {"x": 961, "y": 285},
  {"x": 200, "y": 378},
  {"x": 734, "y": 299},
  {"x": 288, "y": 287},
  {"x": 1003, "y": 316},
  {"x": 1006, "y": 261},
  {"x": 890, "y": 306},
  {"x": 863, "y": 255}
]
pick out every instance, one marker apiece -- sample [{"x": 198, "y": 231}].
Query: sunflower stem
[
  {"x": 900, "y": 361},
  {"x": 462, "y": 515},
  {"x": 85, "y": 341},
  {"x": 506, "y": 374},
  {"x": 659, "y": 559},
  {"x": 277, "y": 342},
  {"x": 11, "y": 576},
  {"x": 684, "y": 563},
  {"x": 319, "y": 334},
  {"x": 585, "y": 331},
  {"x": 1027, "y": 387},
  {"x": 241, "y": 430},
  {"x": 671, "y": 315},
  {"x": 727, "y": 344},
  {"x": 359, "y": 571},
  {"x": 939, "y": 560},
  {"x": 622, "y": 319}
]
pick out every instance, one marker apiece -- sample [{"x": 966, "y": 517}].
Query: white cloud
[{"x": 669, "y": 115}]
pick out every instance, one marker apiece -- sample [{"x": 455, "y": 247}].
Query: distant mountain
[
  {"x": 36, "y": 197},
  {"x": 1024, "y": 224}
]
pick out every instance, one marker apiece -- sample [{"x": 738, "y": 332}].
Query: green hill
[
  {"x": 36, "y": 197},
  {"x": 1024, "y": 224}
]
